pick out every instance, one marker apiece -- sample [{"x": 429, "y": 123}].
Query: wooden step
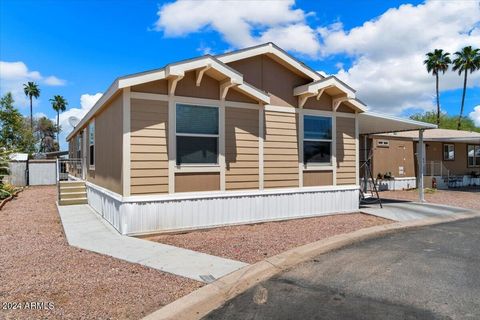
[
  {"x": 73, "y": 195},
  {"x": 72, "y": 189},
  {"x": 67, "y": 202},
  {"x": 71, "y": 183}
]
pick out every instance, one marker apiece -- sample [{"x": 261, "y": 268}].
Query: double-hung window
[
  {"x": 91, "y": 144},
  {"x": 473, "y": 153},
  {"x": 196, "y": 134},
  {"x": 317, "y": 140},
  {"x": 448, "y": 152}
]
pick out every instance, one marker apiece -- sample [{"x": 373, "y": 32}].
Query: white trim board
[{"x": 217, "y": 194}]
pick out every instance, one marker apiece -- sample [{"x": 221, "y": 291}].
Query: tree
[
  {"x": 446, "y": 121},
  {"x": 31, "y": 90},
  {"x": 14, "y": 131},
  {"x": 59, "y": 103},
  {"x": 468, "y": 59},
  {"x": 11, "y": 121},
  {"x": 45, "y": 130},
  {"x": 437, "y": 61}
]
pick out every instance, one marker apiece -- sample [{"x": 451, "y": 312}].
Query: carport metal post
[{"x": 421, "y": 161}]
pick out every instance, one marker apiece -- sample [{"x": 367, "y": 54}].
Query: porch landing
[
  {"x": 85, "y": 229},
  {"x": 400, "y": 210}
]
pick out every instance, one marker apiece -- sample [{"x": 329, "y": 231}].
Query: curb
[{"x": 210, "y": 297}]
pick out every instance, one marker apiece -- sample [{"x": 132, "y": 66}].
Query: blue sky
[{"x": 77, "y": 48}]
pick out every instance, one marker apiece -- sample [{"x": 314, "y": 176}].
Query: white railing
[
  {"x": 67, "y": 168},
  {"x": 436, "y": 168}
]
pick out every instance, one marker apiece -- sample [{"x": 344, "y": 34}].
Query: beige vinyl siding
[
  {"x": 187, "y": 87},
  {"x": 241, "y": 149},
  {"x": 280, "y": 150},
  {"x": 271, "y": 76},
  {"x": 148, "y": 140},
  {"x": 346, "y": 159},
  {"x": 159, "y": 87},
  {"x": 108, "y": 147},
  {"x": 193, "y": 182},
  {"x": 317, "y": 178}
]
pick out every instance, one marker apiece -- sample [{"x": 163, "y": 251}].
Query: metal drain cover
[{"x": 207, "y": 278}]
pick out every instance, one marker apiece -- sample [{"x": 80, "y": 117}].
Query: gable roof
[
  {"x": 325, "y": 83},
  {"x": 272, "y": 49},
  {"x": 219, "y": 64},
  {"x": 173, "y": 70}
]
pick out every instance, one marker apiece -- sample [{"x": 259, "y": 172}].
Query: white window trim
[
  {"x": 196, "y": 167},
  {"x": 474, "y": 156},
  {"x": 317, "y": 165},
  {"x": 448, "y": 145},
  {"x": 90, "y": 166}
]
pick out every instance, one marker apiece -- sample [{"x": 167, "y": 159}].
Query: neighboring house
[
  {"x": 252, "y": 135},
  {"x": 452, "y": 157}
]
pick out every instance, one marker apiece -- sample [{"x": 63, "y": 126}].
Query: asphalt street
[{"x": 425, "y": 273}]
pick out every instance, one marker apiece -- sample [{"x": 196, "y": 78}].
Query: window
[
  {"x": 197, "y": 134},
  {"x": 91, "y": 144},
  {"x": 473, "y": 153},
  {"x": 317, "y": 140},
  {"x": 448, "y": 152}
]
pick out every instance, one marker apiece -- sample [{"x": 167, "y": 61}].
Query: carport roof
[
  {"x": 376, "y": 123},
  {"x": 442, "y": 135}
]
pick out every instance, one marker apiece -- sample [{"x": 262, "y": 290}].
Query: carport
[{"x": 376, "y": 123}]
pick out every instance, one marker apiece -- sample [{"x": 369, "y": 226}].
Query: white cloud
[
  {"x": 87, "y": 101},
  {"x": 241, "y": 23},
  {"x": 54, "y": 81},
  {"x": 293, "y": 37},
  {"x": 475, "y": 115},
  {"x": 388, "y": 52},
  {"x": 14, "y": 74},
  {"x": 39, "y": 115}
]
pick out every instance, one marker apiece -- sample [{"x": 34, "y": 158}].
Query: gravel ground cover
[
  {"x": 252, "y": 243},
  {"x": 38, "y": 266},
  {"x": 465, "y": 198}
]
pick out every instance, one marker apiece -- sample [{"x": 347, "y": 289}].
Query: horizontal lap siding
[
  {"x": 346, "y": 160},
  {"x": 280, "y": 150},
  {"x": 241, "y": 149},
  {"x": 149, "y": 160}
]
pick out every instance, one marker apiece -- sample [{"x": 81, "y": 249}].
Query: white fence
[
  {"x": 18, "y": 173},
  {"x": 42, "y": 172}
]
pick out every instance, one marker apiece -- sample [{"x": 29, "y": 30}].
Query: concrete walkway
[
  {"x": 85, "y": 229},
  {"x": 398, "y": 210}
]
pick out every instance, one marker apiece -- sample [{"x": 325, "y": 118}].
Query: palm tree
[
  {"x": 59, "y": 103},
  {"x": 468, "y": 59},
  {"x": 31, "y": 90},
  {"x": 437, "y": 61}
]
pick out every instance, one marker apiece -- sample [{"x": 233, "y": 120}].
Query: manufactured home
[
  {"x": 248, "y": 136},
  {"x": 452, "y": 158}
]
